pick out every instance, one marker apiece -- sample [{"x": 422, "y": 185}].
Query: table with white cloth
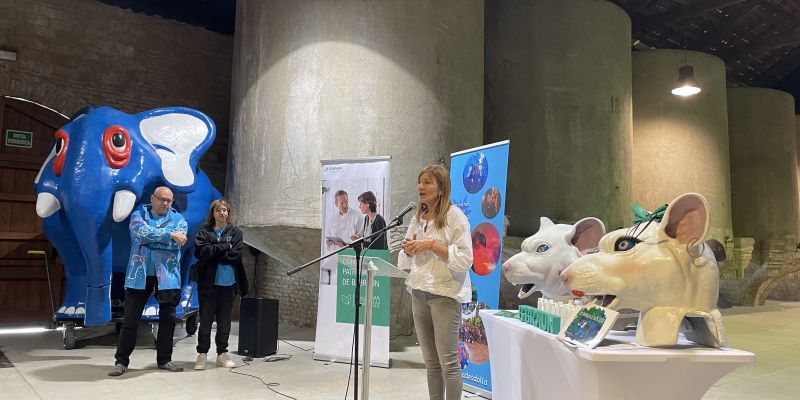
[{"x": 529, "y": 363}]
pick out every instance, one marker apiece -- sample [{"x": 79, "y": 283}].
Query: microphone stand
[{"x": 356, "y": 246}]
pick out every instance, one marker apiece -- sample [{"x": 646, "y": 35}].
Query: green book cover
[{"x": 589, "y": 325}]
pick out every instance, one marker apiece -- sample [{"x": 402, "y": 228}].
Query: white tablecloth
[{"x": 528, "y": 363}]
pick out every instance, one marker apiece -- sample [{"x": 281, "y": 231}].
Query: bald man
[{"x": 154, "y": 267}]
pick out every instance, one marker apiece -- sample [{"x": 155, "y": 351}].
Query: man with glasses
[{"x": 154, "y": 267}]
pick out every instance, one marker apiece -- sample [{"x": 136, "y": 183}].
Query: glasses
[{"x": 163, "y": 200}]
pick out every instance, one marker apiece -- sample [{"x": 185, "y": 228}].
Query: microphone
[{"x": 405, "y": 211}]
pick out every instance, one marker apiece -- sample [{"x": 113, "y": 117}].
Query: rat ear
[
  {"x": 686, "y": 219},
  {"x": 544, "y": 222},
  {"x": 586, "y": 233}
]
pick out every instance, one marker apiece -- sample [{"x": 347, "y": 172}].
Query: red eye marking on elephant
[
  {"x": 62, "y": 143},
  {"x": 117, "y": 146}
]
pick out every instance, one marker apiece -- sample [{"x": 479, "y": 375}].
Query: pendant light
[{"x": 686, "y": 85}]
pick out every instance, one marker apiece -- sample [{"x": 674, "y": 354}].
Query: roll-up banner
[
  {"x": 343, "y": 220},
  {"x": 478, "y": 178}
]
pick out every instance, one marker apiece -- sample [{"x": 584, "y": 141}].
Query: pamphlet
[
  {"x": 588, "y": 326},
  {"x": 507, "y": 314}
]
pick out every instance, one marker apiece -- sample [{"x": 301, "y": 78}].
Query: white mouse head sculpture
[
  {"x": 545, "y": 254},
  {"x": 663, "y": 269}
]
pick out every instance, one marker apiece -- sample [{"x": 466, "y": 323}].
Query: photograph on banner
[
  {"x": 345, "y": 217},
  {"x": 478, "y": 177},
  {"x": 355, "y": 198}
]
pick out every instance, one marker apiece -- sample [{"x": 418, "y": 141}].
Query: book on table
[{"x": 588, "y": 325}]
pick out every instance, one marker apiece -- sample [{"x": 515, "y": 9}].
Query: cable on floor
[
  {"x": 269, "y": 385},
  {"x": 293, "y": 345}
]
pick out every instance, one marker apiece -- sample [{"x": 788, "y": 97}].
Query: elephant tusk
[
  {"x": 50, "y": 156},
  {"x": 124, "y": 200},
  {"x": 46, "y": 204}
]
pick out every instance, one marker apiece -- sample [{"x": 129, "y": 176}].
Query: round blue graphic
[{"x": 475, "y": 172}]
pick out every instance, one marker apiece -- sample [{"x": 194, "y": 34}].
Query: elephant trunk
[
  {"x": 98, "y": 289},
  {"x": 94, "y": 239}
]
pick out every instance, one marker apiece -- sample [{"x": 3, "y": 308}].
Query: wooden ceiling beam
[
  {"x": 755, "y": 50},
  {"x": 678, "y": 12},
  {"x": 742, "y": 13}
]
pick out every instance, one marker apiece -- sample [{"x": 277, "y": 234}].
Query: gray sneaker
[
  {"x": 171, "y": 366},
  {"x": 118, "y": 370}
]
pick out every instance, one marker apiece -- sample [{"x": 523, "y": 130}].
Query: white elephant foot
[{"x": 71, "y": 310}]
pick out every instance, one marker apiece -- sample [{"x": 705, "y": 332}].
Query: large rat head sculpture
[
  {"x": 545, "y": 254},
  {"x": 664, "y": 270}
]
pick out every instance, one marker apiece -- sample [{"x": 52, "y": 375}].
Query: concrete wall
[
  {"x": 72, "y": 53},
  {"x": 681, "y": 143},
  {"x": 316, "y": 80},
  {"x": 789, "y": 287},
  {"x": 763, "y": 163},
  {"x": 558, "y": 84}
]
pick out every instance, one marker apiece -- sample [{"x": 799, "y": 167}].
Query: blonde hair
[
  {"x": 217, "y": 203},
  {"x": 442, "y": 178}
]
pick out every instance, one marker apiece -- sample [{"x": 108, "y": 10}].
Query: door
[{"x": 26, "y": 136}]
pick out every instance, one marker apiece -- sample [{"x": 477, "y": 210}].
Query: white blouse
[{"x": 432, "y": 274}]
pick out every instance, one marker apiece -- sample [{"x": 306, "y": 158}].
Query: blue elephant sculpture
[{"x": 104, "y": 164}]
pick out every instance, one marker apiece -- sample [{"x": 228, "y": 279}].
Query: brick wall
[
  {"x": 72, "y": 53},
  {"x": 297, "y": 295}
]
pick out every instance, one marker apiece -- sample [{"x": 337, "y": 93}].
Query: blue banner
[{"x": 478, "y": 178}]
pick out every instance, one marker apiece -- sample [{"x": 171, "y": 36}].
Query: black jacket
[
  {"x": 211, "y": 252},
  {"x": 380, "y": 241}
]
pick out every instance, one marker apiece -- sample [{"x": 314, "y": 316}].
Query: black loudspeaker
[{"x": 258, "y": 327}]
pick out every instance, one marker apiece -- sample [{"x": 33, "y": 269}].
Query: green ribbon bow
[{"x": 641, "y": 215}]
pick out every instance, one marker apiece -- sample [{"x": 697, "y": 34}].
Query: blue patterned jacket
[{"x": 153, "y": 245}]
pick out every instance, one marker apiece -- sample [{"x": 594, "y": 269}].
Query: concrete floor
[{"x": 43, "y": 370}]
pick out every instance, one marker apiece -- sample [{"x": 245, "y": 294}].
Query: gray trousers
[{"x": 436, "y": 320}]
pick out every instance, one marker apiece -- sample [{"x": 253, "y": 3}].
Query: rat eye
[
  {"x": 542, "y": 248},
  {"x": 625, "y": 243}
]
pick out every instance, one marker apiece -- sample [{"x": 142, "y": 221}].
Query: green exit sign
[{"x": 19, "y": 139}]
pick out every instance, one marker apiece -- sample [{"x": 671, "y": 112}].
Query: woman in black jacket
[
  {"x": 373, "y": 222},
  {"x": 218, "y": 249}
]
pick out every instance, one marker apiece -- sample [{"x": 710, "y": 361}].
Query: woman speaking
[{"x": 438, "y": 250}]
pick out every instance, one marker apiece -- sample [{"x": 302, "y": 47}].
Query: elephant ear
[{"x": 179, "y": 136}]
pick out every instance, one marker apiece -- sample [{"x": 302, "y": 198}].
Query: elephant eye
[
  {"x": 117, "y": 146},
  {"x": 118, "y": 142},
  {"x": 543, "y": 248},
  {"x": 62, "y": 144},
  {"x": 626, "y": 243}
]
